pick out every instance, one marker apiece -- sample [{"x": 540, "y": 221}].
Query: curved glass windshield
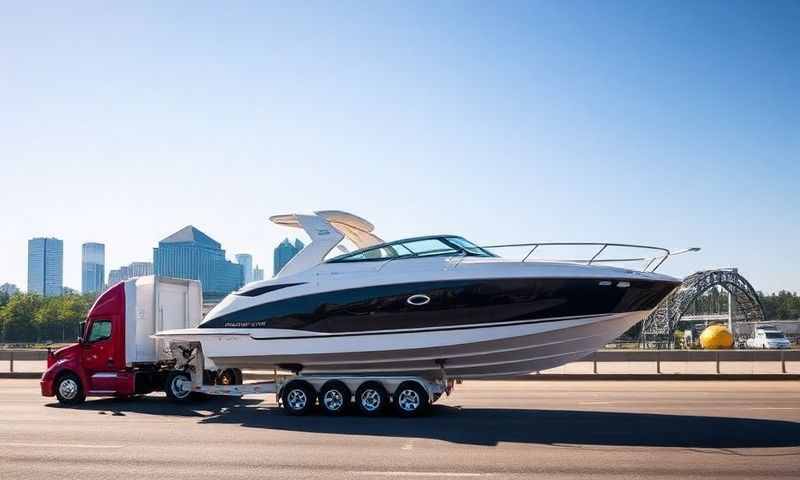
[{"x": 414, "y": 248}]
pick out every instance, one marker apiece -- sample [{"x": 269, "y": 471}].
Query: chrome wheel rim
[
  {"x": 68, "y": 388},
  {"x": 370, "y": 400},
  {"x": 297, "y": 399},
  {"x": 333, "y": 400},
  {"x": 177, "y": 386},
  {"x": 408, "y": 400}
]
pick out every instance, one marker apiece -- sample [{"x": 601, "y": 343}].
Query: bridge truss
[{"x": 659, "y": 327}]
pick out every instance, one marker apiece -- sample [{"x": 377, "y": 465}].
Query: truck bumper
[{"x": 47, "y": 387}]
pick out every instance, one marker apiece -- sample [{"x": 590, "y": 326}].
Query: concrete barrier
[{"x": 765, "y": 364}]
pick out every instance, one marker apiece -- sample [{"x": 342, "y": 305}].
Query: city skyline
[
  {"x": 661, "y": 124},
  {"x": 93, "y": 277}
]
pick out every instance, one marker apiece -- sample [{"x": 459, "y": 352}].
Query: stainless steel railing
[{"x": 650, "y": 263}]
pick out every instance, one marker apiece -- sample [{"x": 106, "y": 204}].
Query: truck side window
[{"x": 101, "y": 329}]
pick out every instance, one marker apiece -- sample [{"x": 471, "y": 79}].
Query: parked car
[{"x": 767, "y": 336}]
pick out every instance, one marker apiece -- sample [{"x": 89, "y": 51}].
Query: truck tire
[
  {"x": 298, "y": 397},
  {"x": 172, "y": 387},
  {"x": 410, "y": 399},
  {"x": 69, "y": 389}
]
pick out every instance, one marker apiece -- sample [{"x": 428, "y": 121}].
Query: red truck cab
[
  {"x": 116, "y": 354},
  {"x": 96, "y": 364}
]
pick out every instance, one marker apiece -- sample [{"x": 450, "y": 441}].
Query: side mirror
[{"x": 81, "y": 331}]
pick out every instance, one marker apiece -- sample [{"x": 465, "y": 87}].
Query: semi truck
[{"x": 117, "y": 355}]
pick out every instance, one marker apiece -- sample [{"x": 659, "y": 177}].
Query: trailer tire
[
  {"x": 229, "y": 376},
  {"x": 410, "y": 399},
  {"x": 172, "y": 389},
  {"x": 69, "y": 390},
  {"x": 298, "y": 397},
  {"x": 334, "y": 397},
  {"x": 371, "y": 398}
]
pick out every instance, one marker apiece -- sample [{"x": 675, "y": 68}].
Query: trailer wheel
[
  {"x": 334, "y": 397},
  {"x": 174, "y": 387},
  {"x": 410, "y": 399},
  {"x": 229, "y": 377},
  {"x": 69, "y": 390},
  {"x": 298, "y": 397},
  {"x": 371, "y": 398}
]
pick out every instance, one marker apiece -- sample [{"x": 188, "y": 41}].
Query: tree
[{"x": 18, "y": 317}]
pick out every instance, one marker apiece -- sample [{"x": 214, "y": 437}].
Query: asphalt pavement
[{"x": 508, "y": 429}]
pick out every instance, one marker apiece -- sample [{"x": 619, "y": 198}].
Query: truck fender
[{"x": 53, "y": 374}]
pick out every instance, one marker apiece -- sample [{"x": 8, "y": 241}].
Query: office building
[
  {"x": 117, "y": 275},
  {"x": 258, "y": 274},
  {"x": 133, "y": 269},
  {"x": 46, "y": 266},
  {"x": 284, "y": 252},
  {"x": 9, "y": 289},
  {"x": 246, "y": 261},
  {"x": 190, "y": 253},
  {"x": 93, "y": 267}
]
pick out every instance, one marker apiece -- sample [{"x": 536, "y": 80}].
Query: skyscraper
[
  {"x": 93, "y": 267},
  {"x": 246, "y": 261},
  {"x": 140, "y": 269},
  {"x": 118, "y": 275},
  {"x": 258, "y": 274},
  {"x": 190, "y": 253},
  {"x": 133, "y": 269},
  {"x": 46, "y": 266},
  {"x": 284, "y": 252}
]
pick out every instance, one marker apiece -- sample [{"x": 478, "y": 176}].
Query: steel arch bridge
[{"x": 661, "y": 324}]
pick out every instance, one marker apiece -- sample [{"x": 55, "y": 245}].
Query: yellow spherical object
[{"x": 716, "y": 337}]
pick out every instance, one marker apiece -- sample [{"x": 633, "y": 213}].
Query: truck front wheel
[
  {"x": 69, "y": 390},
  {"x": 177, "y": 386}
]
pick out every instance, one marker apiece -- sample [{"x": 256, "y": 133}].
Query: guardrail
[
  {"x": 656, "y": 357},
  {"x": 694, "y": 356},
  {"x": 22, "y": 355}
]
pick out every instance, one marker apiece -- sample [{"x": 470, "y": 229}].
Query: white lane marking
[
  {"x": 421, "y": 474},
  {"x": 56, "y": 445},
  {"x": 595, "y": 403},
  {"x": 409, "y": 445}
]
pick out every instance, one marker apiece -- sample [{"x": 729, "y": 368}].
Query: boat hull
[{"x": 473, "y": 351}]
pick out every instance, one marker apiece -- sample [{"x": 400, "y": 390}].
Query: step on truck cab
[{"x": 115, "y": 354}]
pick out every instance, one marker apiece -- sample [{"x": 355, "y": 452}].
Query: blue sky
[{"x": 666, "y": 123}]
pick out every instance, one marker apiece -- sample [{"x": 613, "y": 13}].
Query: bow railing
[{"x": 650, "y": 263}]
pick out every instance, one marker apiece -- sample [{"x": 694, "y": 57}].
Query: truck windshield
[{"x": 774, "y": 334}]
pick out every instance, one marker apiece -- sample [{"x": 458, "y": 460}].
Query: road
[{"x": 509, "y": 429}]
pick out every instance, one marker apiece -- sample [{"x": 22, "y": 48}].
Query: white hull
[{"x": 472, "y": 352}]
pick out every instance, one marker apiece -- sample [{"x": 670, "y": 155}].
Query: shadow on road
[{"x": 488, "y": 426}]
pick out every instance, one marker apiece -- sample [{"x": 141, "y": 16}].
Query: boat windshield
[{"x": 414, "y": 248}]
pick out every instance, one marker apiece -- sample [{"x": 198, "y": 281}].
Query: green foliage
[
  {"x": 781, "y": 306},
  {"x": 32, "y": 318}
]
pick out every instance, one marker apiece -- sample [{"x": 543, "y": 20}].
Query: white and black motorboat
[{"x": 422, "y": 305}]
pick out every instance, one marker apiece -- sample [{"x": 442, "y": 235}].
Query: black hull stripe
[
  {"x": 453, "y": 303},
  {"x": 443, "y": 329}
]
